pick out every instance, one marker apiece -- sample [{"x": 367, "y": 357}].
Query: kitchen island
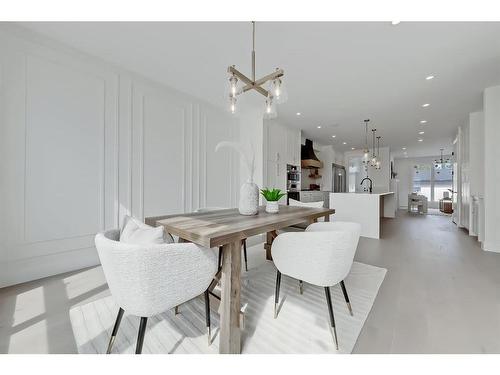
[{"x": 365, "y": 209}]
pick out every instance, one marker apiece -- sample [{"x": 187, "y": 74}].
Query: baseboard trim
[
  {"x": 24, "y": 270},
  {"x": 491, "y": 247}
]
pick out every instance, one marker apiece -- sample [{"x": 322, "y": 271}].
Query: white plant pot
[
  {"x": 272, "y": 207},
  {"x": 249, "y": 199}
]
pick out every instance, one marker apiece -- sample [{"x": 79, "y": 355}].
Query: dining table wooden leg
[{"x": 230, "y": 331}]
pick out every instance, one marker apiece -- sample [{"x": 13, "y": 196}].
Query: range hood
[{"x": 308, "y": 157}]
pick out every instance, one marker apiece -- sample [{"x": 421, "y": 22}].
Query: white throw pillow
[
  {"x": 136, "y": 232},
  {"x": 293, "y": 202}
]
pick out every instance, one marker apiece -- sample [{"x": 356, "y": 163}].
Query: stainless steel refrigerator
[{"x": 338, "y": 178}]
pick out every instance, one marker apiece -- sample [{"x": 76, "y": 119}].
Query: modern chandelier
[
  {"x": 377, "y": 163},
  {"x": 366, "y": 150},
  {"x": 442, "y": 162},
  {"x": 372, "y": 160},
  {"x": 274, "y": 94}
]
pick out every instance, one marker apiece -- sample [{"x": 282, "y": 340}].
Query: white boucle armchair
[
  {"x": 322, "y": 255},
  {"x": 146, "y": 280}
]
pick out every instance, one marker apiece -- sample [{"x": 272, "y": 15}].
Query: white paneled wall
[
  {"x": 491, "y": 103},
  {"x": 84, "y": 143},
  {"x": 476, "y": 158}
]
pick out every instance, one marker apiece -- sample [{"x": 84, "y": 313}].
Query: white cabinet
[
  {"x": 277, "y": 143},
  {"x": 283, "y": 147},
  {"x": 293, "y": 146},
  {"x": 276, "y": 177},
  {"x": 283, "y": 144},
  {"x": 313, "y": 196}
]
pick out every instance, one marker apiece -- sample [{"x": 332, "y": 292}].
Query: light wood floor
[{"x": 441, "y": 294}]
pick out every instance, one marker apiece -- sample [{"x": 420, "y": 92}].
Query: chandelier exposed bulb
[
  {"x": 270, "y": 108},
  {"x": 373, "y": 161},
  {"x": 366, "y": 150},
  {"x": 377, "y": 162},
  {"x": 233, "y": 85},
  {"x": 232, "y": 104},
  {"x": 278, "y": 90},
  {"x": 366, "y": 155}
]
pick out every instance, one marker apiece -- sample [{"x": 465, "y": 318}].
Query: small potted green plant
[{"x": 272, "y": 197}]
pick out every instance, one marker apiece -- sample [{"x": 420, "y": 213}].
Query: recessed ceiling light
[
  {"x": 421, "y": 132},
  {"x": 395, "y": 22},
  {"x": 344, "y": 143},
  {"x": 423, "y": 121},
  {"x": 404, "y": 148},
  {"x": 353, "y": 148},
  {"x": 298, "y": 113},
  {"x": 319, "y": 127},
  {"x": 420, "y": 140},
  {"x": 333, "y": 136},
  {"x": 428, "y": 78},
  {"x": 425, "y": 105}
]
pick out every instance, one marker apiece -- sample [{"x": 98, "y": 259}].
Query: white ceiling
[{"x": 337, "y": 73}]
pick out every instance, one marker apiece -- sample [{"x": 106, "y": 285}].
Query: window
[
  {"x": 422, "y": 180},
  {"x": 443, "y": 180},
  {"x": 433, "y": 180}
]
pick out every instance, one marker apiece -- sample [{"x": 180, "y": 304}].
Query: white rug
[
  {"x": 302, "y": 325},
  {"x": 436, "y": 212}
]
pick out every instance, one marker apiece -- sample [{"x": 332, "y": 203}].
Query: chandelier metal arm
[
  {"x": 257, "y": 84},
  {"x": 240, "y": 75},
  {"x": 256, "y": 88},
  {"x": 277, "y": 74},
  {"x": 249, "y": 83}
]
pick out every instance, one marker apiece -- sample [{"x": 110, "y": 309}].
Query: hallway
[{"x": 441, "y": 293}]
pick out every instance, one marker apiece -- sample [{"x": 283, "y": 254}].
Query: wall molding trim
[{"x": 137, "y": 116}]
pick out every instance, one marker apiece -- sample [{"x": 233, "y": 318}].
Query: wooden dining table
[{"x": 227, "y": 229}]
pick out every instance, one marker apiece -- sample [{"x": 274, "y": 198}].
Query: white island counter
[{"x": 365, "y": 209}]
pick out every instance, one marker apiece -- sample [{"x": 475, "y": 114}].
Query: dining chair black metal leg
[
  {"x": 332, "y": 319},
  {"x": 277, "y": 293},
  {"x": 220, "y": 258},
  {"x": 301, "y": 287},
  {"x": 115, "y": 330},
  {"x": 140, "y": 336},
  {"x": 245, "y": 254},
  {"x": 207, "y": 315},
  {"x": 344, "y": 290}
]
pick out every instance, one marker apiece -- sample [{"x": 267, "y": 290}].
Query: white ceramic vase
[
  {"x": 249, "y": 199},
  {"x": 272, "y": 207}
]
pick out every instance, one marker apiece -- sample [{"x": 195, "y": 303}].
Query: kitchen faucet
[{"x": 369, "y": 179}]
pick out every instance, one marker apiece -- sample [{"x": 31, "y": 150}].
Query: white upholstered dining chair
[
  {"x": 146, "y": 280},
  {"x": 322, "y": 256},
  {"x": 300, "y": 227}
]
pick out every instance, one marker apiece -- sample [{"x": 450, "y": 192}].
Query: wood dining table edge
[{"x": 226, "y": 238}]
